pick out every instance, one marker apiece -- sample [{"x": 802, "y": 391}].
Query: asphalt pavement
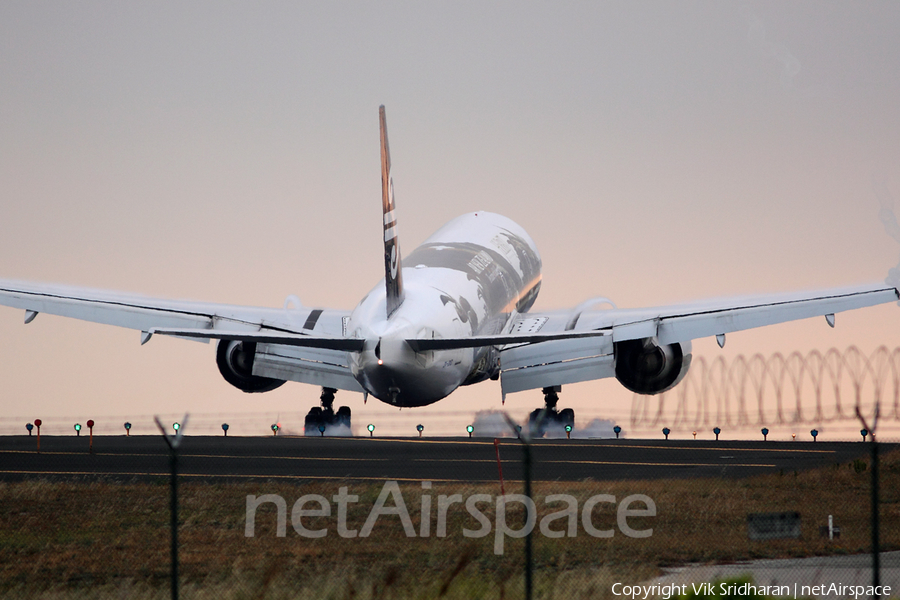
[{"x": 434, "y": 459}]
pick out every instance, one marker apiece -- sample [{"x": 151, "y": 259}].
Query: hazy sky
[{"x": 656, "y": 152}]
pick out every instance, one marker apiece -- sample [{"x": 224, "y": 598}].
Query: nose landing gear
[
  {"x": 554, "y": 421},
  {"x": 335, "y": 423}
]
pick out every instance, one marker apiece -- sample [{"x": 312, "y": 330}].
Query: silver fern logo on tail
[{"x": 393, "y": 276}]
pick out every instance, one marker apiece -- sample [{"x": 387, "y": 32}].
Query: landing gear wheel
[
  {"x": 322, "y": 418},
  {"x": 343, "y": 416},
  {"x": 553, "y": 420},
  {"x": 538, "y": 429}
]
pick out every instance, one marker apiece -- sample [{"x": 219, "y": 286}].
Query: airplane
[{"x": 453, "y": 312}]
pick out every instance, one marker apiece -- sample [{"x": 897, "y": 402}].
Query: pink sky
[{"x": 656, "y": 154}]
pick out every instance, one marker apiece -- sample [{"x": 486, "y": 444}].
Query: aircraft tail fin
[{"x": 393, "y": 277}]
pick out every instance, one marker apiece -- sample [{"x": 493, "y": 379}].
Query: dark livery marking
[
  {"x": 312, "y": 319},
  {"x": 500, "y": 284}
]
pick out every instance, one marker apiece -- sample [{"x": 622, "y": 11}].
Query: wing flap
[
  {"x": 556, "y": 362},
  {"x": 314, "y": 366},
  {"x": 266, "y": 337}
]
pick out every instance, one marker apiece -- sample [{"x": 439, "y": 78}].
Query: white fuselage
[{"x": 472, "y": 277}]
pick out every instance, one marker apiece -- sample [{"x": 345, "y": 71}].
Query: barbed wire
[{"x": 815, "y": 388}]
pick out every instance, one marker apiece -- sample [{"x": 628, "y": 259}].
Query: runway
[{"x": 404, "y": 459}]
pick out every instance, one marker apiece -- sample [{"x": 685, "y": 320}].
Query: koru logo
[{"x": 394, "y": 261}]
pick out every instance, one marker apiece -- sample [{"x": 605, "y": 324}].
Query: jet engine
[
  {"x": 235, "y": 362},
  {"x": 644, "y": 366}
]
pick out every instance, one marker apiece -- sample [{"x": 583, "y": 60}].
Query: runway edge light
[
  {"x": 78, "y": 429},
  {"x": 321, "y": 429},
  {"x": 864, "y": 433},
  {"x": 814, "y": 433},
  {"x": 717, "y": 431},
  {"x": 617, "y": 430},
  {"x": 127, "y": 429},
  {"x": 666, "y": 431},
  {"x": 420, "y": 428},
  {"x": 371, "y": 429},
  {"x": 29, "y": 427},
  {"x": 765, "y": 432},
  {"x": 225, "y": 428},
  {"x": 470, "y": 429}
]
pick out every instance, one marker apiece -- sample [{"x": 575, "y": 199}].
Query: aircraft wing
[
  {"x": 706, "y": 318},
  {"x": 526, "y": 364},
  {"x": 187, "y": 319}
]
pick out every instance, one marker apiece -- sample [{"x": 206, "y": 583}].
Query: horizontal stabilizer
[
  {"x": 261, "y": 337},
  {"x": 426, "y": 344}
]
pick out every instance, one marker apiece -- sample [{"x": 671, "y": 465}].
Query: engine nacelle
[
  {"x": 235, "y": 362},
  {"x": 645, "y": 367}
]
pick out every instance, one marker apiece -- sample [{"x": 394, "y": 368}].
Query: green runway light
[
  {"x": 420, "y": 429},
  {"x": 371, "y": 429},
  {"x": 176, "y": 426},
  {"x": 470, "y": 429},
  {"x": 77, "y": 428}
]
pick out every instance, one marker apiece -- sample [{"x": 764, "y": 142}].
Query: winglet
[{"x": 393, "y": 276}]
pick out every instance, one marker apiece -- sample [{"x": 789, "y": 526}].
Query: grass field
[{"x": 97, "y": 539}]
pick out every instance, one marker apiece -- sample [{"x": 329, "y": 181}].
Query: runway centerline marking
[
  {"x": 162, "y": 455},
  {"x": 538, "y": 444}
]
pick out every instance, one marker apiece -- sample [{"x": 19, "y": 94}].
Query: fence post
[
  {"x": 525, "y": 438},
  {"x": 876, "y": 542},
  {"x": 173, "y": 442}
]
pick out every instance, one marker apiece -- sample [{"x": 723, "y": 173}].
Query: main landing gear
[
  {"x": 554, "y": 421},
  {"x": 322, "y": 419}
]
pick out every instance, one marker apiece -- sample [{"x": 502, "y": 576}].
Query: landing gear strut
[
  {"x": 553, "y": 419},
  {"x": 320, "y": 417}
]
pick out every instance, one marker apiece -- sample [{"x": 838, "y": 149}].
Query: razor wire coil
[{"x": 777, "y": 390}]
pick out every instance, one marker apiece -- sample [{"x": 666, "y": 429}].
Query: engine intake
[
  {"x": 235, "y": 362},
  {"x": 645, "y": 367}
]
